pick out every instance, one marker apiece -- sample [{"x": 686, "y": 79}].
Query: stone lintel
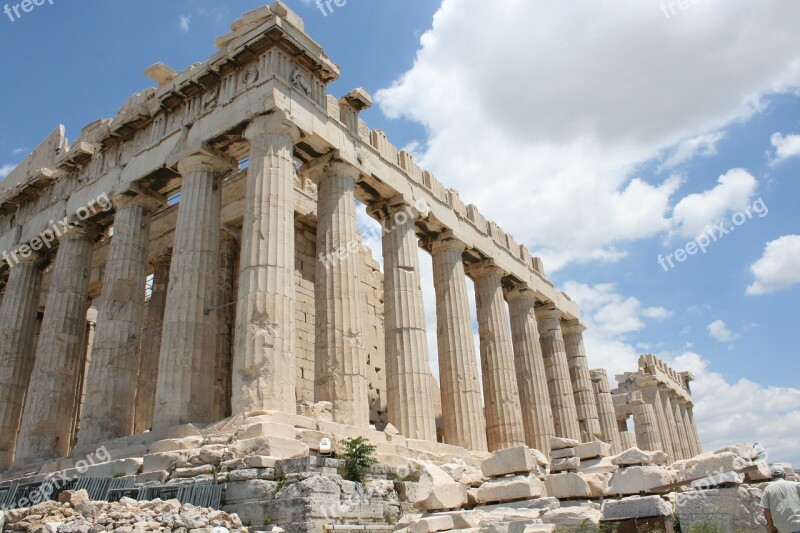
[{"x": 327, "y": 165}]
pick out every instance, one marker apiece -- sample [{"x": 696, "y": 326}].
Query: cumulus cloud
[
  {"x": 719, "y": 330},
  {"x": 551, "y": 136},
  {"x": 785, "y": 147},
  {"x": 778, "y": 268},
  {"x": 696, "y": 213},
  {"x": 700, "y": 146}
]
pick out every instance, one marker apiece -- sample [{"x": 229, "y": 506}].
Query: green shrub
[{"x": 358, "y": 457}]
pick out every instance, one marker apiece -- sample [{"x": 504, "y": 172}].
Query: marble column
[
  {"x": 83, "y": 374},
  {"x": 408, "y": 375},
  {"x": 184, "y": 391},
  {"x": 264, "y": 355},
  {"x": 671, "y": 424},
  {"x": 651, "y": 395},
  {"x": 693, "y": 429},
  {"x": 679, "y": 429},
  {"x": 648, "y": 437},
  {"x": 341, "y": 359},
  {"x": 462, "y": 412},
  {"x": 562, "y": 400},
  {"x": 585, "y": 403},
  {"x": 228, "y": 248},
  {"x": 49, "y": 414},
  {"x": 150, "y": 347},
  {"x": 108, "y": 412},
  {"x": 504, "y": 427},
  {"x": 607, "y": 417},
  {"x": 17, "y": 330},
  {"x": 667, "y": 424},
  {"x": 537, "y": 416},
  {"x": 686, "y": 428}
]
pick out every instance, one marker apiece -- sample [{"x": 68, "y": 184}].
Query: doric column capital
[
  {"x": 484, "y": 269},
  {"x": 520, "y": 291},
  {"x": 330, "y": 165},
  {"x": 548, "y": 310},
  {"x": 149, "y": 202},
  {"x": 202, "y": 156},
  {"x": 445, "y": 241},
  {"x": 573, "y": 327},
  {"x": 390, "y": 207},
  {"x": 265, "y": 126},
  {"x": 78, "y": 231}
]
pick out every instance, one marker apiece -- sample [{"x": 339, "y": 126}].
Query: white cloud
[
  {"x": 700, "y": 146},
  {"x": 5, "y": 170},
  {"x": 557, "y": 131},
  {"x": 778, "y": 268},
  {"x": 696, "y": 213},
  {"x": 785, "y": 147},
  {"x": 185, "y": 21},
  {"x": 18, "y": 151},
  {"x": 657, "y": 313},
  {"x": 719, "y": 330},
  {"x": 742, "y": 411},
  {"x": 611, "y": 319}
]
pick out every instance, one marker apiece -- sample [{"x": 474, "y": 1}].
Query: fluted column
[
  {"x": 228, "y": 248},
  {"x": 537, "y": 416},
  {"x": 108, "y": 412},
  {"x": 667, "y": 424},
  {"x": 562, "y": 400},
  {"x": 679, "y": 429},
  {"x": 408, "y": 375},
  {"x": 49, "y": 414},
  {"x": 605, "y": 410},
  {"x": 150, "y": 347},
  {"x": 504, "y": 428},
  {"x": 585, "y": 403},
  {"x": 651, "y": 396},
  {"x": 683, "y": 427},
  {"x": 462, "y": 412},
  {"x": 645, "y": 423},
  {"x": 184, "y": 391},
  {"x": 341, "y": 360},
  {"x": 693, "y": 429},
  {"x": 264, "y": 355},
  {"x": 17, "y": 330},
  {"x": 671, "y": 424}
]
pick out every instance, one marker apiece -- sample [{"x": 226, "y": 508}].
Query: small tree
[{"x": 358, "y": 457}]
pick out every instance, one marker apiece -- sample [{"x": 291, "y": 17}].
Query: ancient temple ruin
[{"x": 197, "y": 257}]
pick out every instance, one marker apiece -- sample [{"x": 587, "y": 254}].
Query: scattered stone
[
  {"x": 636, "y": 507},
  {"x": 638, "y": 479},
  {"x": 557, "y": 443},
  {"x": 509, "y": 489},
  {"x": 514, "y": 461},
  {"x": 593, "y": 450},
  {"x": 568, "y": 464}
]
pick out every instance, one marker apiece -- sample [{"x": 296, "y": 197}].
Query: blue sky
[{"x": 601, "y": 134}]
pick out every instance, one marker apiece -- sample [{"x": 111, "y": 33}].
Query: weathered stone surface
[
  {"x": 472, "y": 477},
  {"x": 269, "y": 446},
  {"x": 734, "y": 510},
  {"x": 582, "y": 519},
  {"x": 559, "y": 443},
  {"x": 593, "y": 450},
  {"x": 718, "y": 480},
  {"x": 634, "y": 457},
  {"x": 432, "y": 524},
  {"x": 567, "y": 486},
  {"x": 710, "y": 464},
  {"x": 562, "y": 453},
  {"x": 436, "y": 490},
  {"x": 157, "y": 476},
  {"x": 565, "y": 464},
  {"x": 638, "y": 479},
  {"x": 510, "y": 489},
  {"x": 513, "y": 461},
  {"x": 636, "y": 507}
]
